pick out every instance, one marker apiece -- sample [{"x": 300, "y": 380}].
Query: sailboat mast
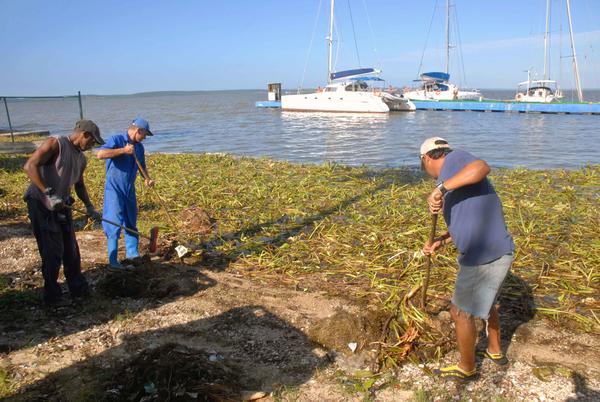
[
  {"x": 546, "y": 39},
  {"x": 577, "y": 81},
  {"x": 447, "y": 36},
  {"x": 330, "y": 42}
]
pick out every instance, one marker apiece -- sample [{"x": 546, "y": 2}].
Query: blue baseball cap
[{"x": 142, "y": 123}]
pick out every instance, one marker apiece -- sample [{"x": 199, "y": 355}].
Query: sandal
[
  {"x": 455, "y": 373},
  {"x": 498, "y": 358}
]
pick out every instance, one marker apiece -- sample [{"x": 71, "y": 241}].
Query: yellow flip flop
[
  {"x": 455, "y": 373},
  {"x": 498, "y": 358}
]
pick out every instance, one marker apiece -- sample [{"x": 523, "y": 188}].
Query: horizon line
[{"x": 176, "y": 91}]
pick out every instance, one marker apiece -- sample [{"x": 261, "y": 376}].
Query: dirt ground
[{"x": 171, "y": 331}]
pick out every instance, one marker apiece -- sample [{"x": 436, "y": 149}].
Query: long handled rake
[
  {"x": 153, "y": 238},
  {"x": 434, "y": 218},
  {"x": 376, "y": 364},
  {"x": 180, "y": 249}
]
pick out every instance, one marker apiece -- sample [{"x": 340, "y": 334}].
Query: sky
[{"x": 106, "y": 47}]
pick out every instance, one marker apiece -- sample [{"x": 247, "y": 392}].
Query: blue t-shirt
[
  {"x": 474, "y": 216},
  {"x": 121, "y": 170}
]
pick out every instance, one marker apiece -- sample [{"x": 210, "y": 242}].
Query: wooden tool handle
[
  {"x": 434, "y": 218},
  {"x": 162, "y": 203},
  {"x": 142, "y": 171}
]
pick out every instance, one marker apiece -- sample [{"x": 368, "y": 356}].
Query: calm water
[{"x": 227, "y": 121}]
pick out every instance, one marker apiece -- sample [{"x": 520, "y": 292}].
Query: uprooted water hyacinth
[{"x": 357, "y": 232}]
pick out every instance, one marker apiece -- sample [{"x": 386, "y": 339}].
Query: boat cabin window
[
  {"x": 435, "y": 86},
  {"x": 539, "y": 91},
  {"x": 330, "y": 89},
  {"x": 357, "y": 86}
]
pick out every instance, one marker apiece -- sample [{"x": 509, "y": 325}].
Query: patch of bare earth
[{"x": 167, "y": 330}]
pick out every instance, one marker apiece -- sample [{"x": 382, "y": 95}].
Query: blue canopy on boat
[
  {"x": 435, "y": 76},
  {"x": 351, "y": 73},
  {"x": 366, "y": 79}
]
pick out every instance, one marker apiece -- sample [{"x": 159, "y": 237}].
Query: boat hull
[
  {"x": 520, "y": 97},
  {"x": 442, "y": 95},
  {"x": 347, "y": 102},
  {"x": 398, "y": 103}
]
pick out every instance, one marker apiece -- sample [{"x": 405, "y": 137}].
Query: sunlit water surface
[{"x": 228, "y": 122}]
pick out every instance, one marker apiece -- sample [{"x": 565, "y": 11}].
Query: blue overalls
[{"x": 119, "y": 197}]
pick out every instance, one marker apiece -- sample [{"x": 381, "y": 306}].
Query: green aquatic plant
[{"x": 357, "y": 232}]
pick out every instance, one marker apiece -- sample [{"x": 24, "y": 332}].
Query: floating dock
[
  {"x": 271, "y": 104},
  {"x": 488, "y": 105},
  {"x": 273, "y": 96}
]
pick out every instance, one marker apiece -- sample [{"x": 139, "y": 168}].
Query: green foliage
[
  {"x": 421, "y": 395},
  {"x": 358, "y": 230},
  {"x": 285, "y": 393},
  {"x": 360, "y": 382},
  {"x": 123, "y": 316},
  {"x": 6, "y": 387},
  {"x": 4, "y": 283}
]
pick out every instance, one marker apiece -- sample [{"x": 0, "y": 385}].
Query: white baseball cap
[{"x": 433, "y": 143}]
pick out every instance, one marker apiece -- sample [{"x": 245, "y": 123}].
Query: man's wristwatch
[{"x": 442, "y": 189}]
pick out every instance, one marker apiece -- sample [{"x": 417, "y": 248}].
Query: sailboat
[
  {"x": 436, "y": 85},
  {"x": 347, "y": 91},
  {"x": 547, "y": 90},
  {"x": 540, "y": 91}
]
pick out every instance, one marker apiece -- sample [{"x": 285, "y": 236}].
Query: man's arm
[
  {"x": 438, "y": 242},
  {"x": 81, "y": 191},
  {"x": 471, "y": 173},
  {"x": 111, "y": 153},
  {"x": 41, "y": 156},
  {"x": 144, "y": 169}
]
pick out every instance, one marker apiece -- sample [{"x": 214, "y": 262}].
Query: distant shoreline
[{"x": 203, "y": 91}]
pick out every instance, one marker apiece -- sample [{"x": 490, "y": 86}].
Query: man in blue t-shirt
[
  {"x": 473, "y": 214},
  {"x": 120, "y": 203}
]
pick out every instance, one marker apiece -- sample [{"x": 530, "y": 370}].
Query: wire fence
[{"x": 22, "y": 109}]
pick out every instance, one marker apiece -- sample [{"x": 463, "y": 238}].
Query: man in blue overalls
[{"x": 120, "y": 204}]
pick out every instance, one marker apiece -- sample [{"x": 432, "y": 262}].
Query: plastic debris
[
  {"x": 150, "y": 388},
  {"x": 181, "y": 250}
]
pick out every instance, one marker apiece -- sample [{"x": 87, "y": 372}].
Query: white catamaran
[
  {"x": 347, "y": 91},
  {"x": 436, "y": 85},
  {"x": 547, "y": 90}
]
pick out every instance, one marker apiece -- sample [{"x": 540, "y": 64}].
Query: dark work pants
[{"x": 56, "y": 242}]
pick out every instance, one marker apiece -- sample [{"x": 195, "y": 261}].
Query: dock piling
[{"x": 12, "y": 135}]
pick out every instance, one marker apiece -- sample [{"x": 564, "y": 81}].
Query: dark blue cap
[{"x": 142, "y": 123}]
